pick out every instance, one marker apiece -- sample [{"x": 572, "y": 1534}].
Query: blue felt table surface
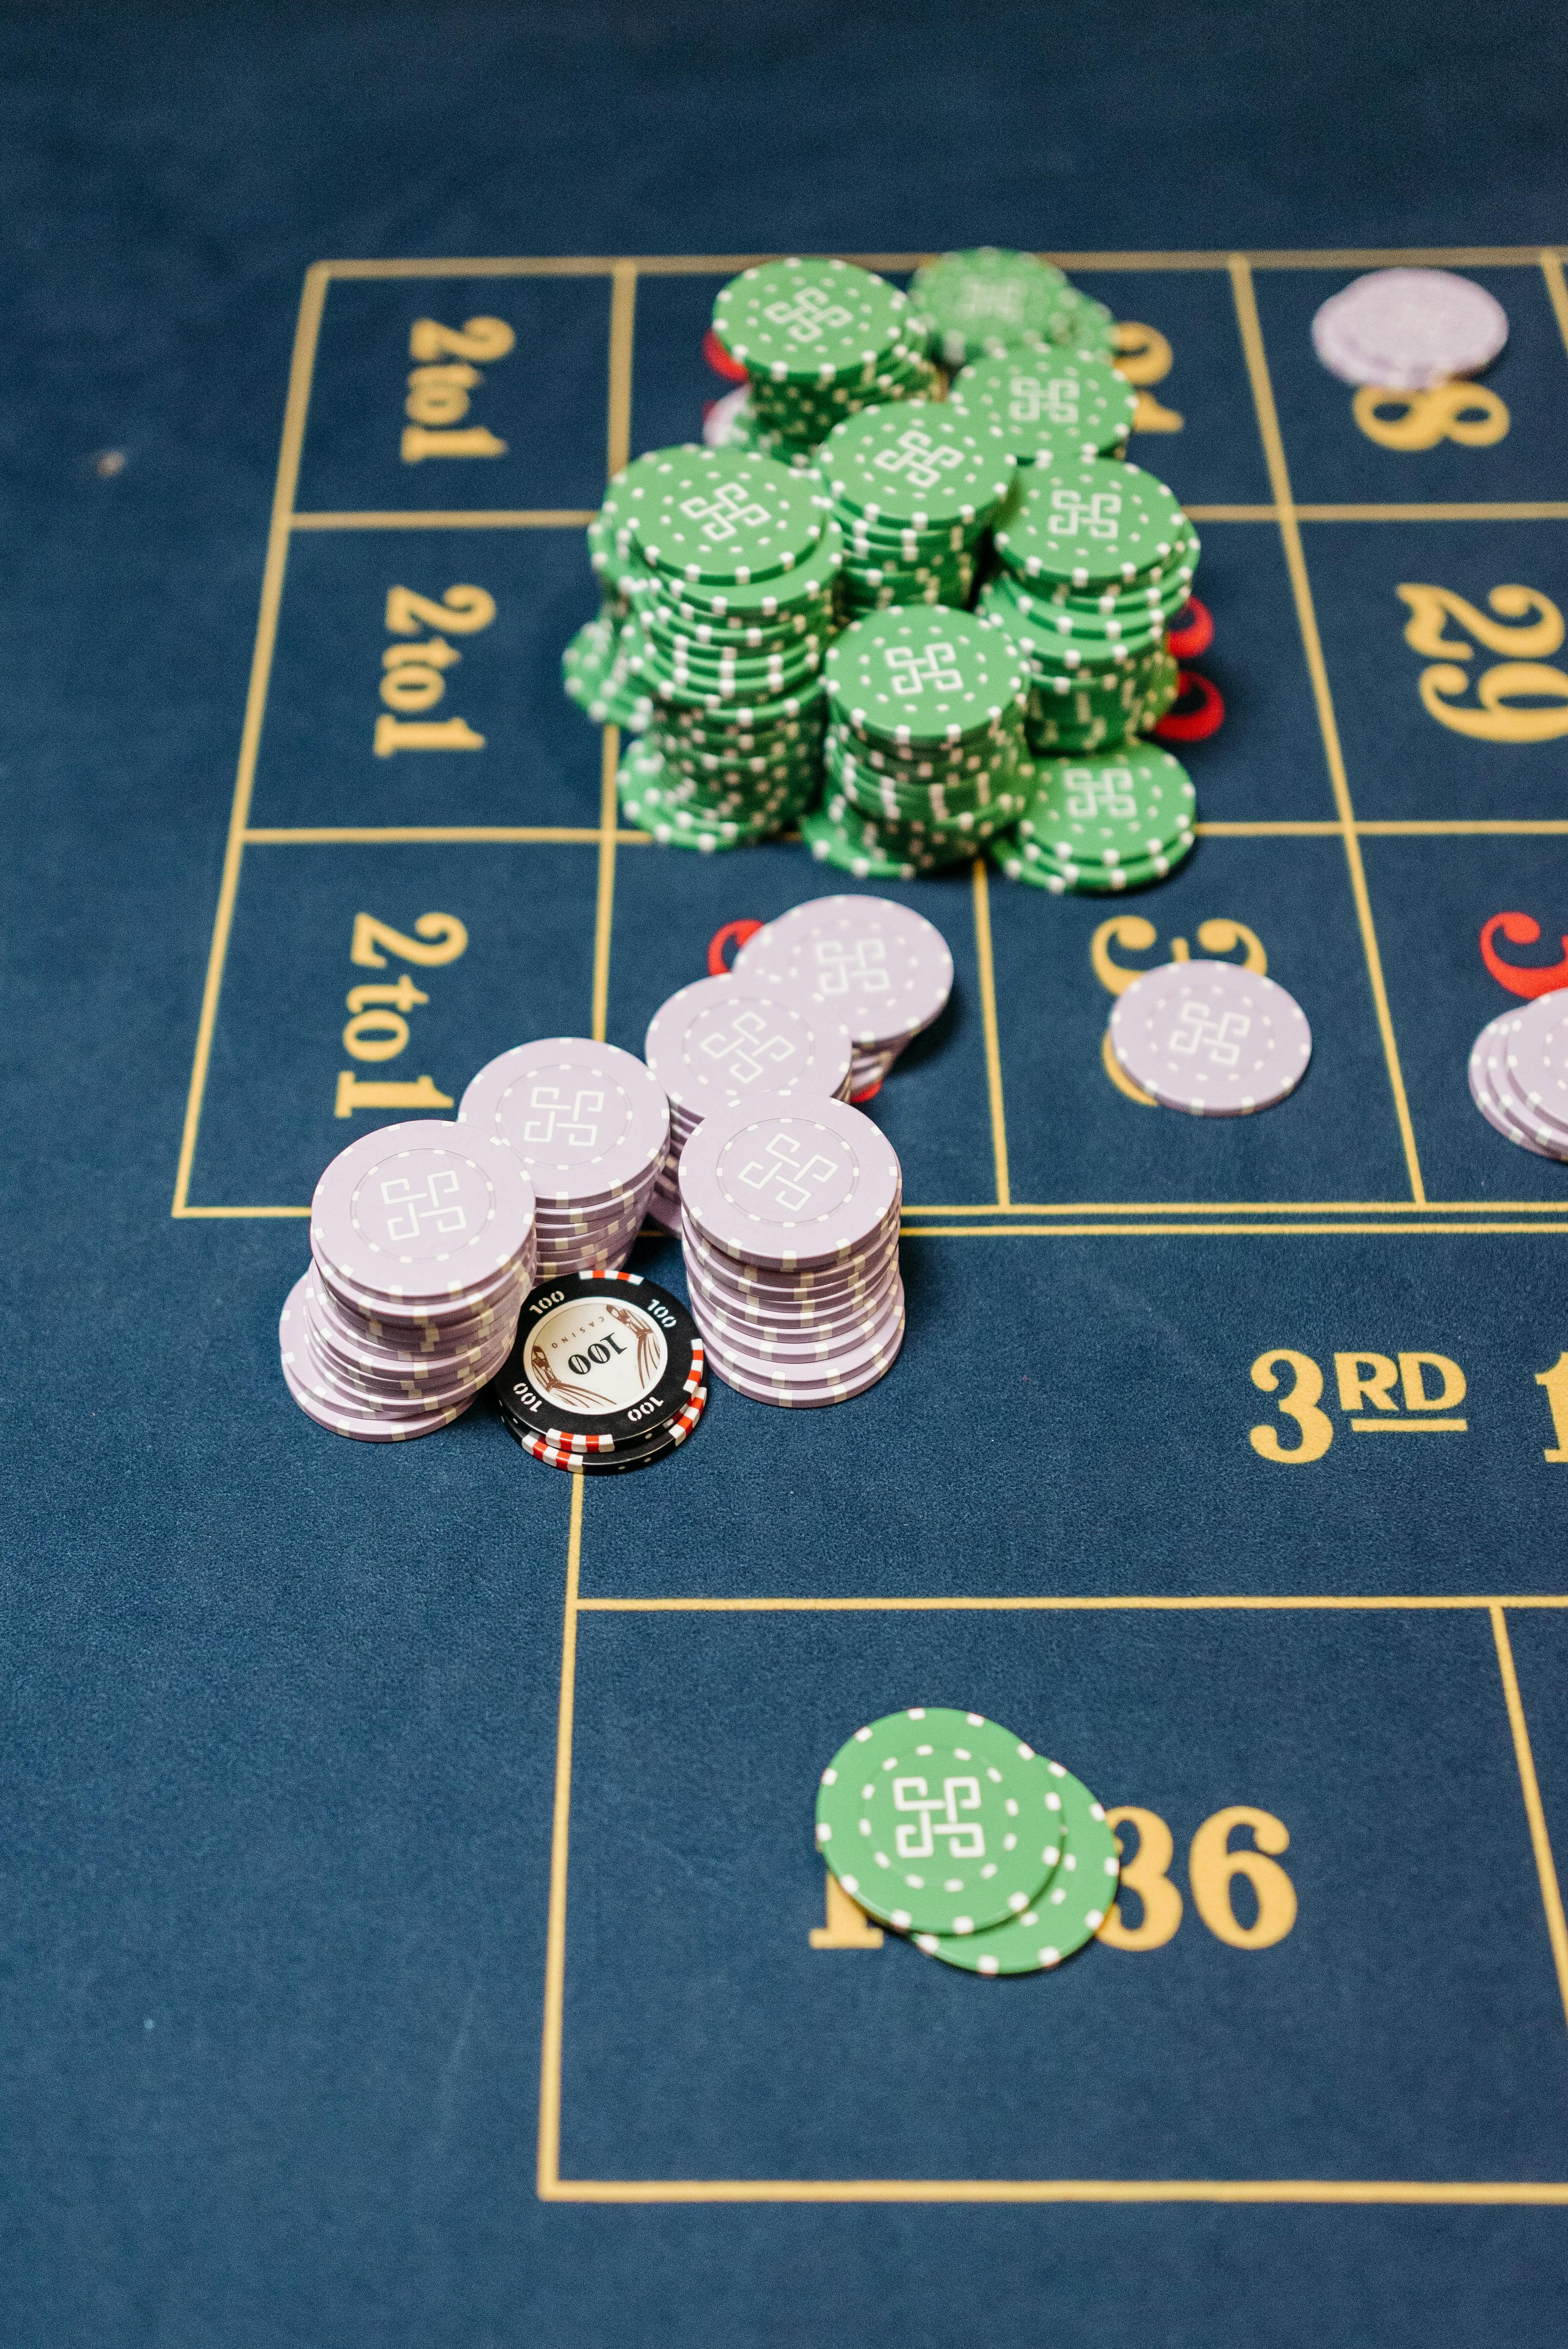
[{"x": 280, "y": 1715}]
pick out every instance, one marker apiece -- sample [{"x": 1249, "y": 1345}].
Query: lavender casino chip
[
  {"x": 882, "y": 967},
  {"x": 586, "y": 1120},
  {"x": 421, "y": 1212},
  {"x": 783, "y": 1181},
  {"x": 721, "y": 1040},
  {"x": 1211, "y": 1039}
]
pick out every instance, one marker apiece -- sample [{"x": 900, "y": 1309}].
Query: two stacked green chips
[
  {"x": 1097, "y": 558},
  {"x": 913, "y": 488},
  {"x": 734, "y": 609},
  {"x": 924, "y": 754},
  {"x": 820, "y": 340},
  {"x": 596, "y": 666},
  {"x": 1100, "y": 825},
  {"x": 991, "y": 299}
]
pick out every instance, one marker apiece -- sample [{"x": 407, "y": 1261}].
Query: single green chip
[
  {"x": 986, "y": 298},
  {"x": 1068, "y": 1913},
  {"x": 1050, "y": 404},
  {"x": 726, "y": 517},
  {"x": 1091, "y": 525},
  {"x": 916, "y": 465},
  {"x": 912, "y": 675},
  {"x": 813, "y": 323}
]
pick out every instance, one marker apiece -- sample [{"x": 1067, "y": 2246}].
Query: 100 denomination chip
[{"x": 608, "y": 1358}]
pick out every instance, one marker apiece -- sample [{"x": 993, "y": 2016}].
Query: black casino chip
[{"x": 603, "y": 1361}]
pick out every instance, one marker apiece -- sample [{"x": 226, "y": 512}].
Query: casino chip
[
  {"x": 939, "y": 1822},
  {"x": 590, "y": 1127},
  {"x": 720, "y": 1038},
  {"x": 914, "y": 490},
  {"x": 1210, "y": 1037},
  {"x": 423, "y": 1241},
  {"x": 1408, "y": 329},
  {"x": 789, "y": 1225},
  {"x": 606, "y": 1367},
  {"x": 881, "y": 967},
  {"x": 991, "y": 300},
  {"x": 1102, "y": 825},
  {"x": 1065, "y": 1914},
  {"x": 820, "y": 340},
  {"x": 1052, "y": 407},
  {"x": 1519, "y": 1075}
]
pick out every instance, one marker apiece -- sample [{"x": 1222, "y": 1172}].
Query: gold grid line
[
  {"x": 986, "y": 967},
  {"x": 1556, "y": 292},
  {"x": 1453, "y": 2193},
  {"x": 725, "y": 265},
  {"x": 454, "y": 518},
  {"x": 1534, "y": 1811},
  {"x": 1295, "y": 560},
  {"x": 302, "y": 367}
]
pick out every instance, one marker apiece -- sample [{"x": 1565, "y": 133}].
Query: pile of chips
[
  {"x": 1519, "y": 1075},
  {"x": 606, "y": 1374},
  {"x": 719, "y": 1040},
  {"x": 734, "y": 611},
  {"x": 789, "y": 1225},
  {"x": 1055, "y": 405},
  {"x": 1211, "y": 1038},
  {"x": 988, "y": 300},
  {"x": 422, "y": 1249},
  {"x": 925, "y": 752},
  {"x": 819, "y": 340},
  {"x": 589, "y": 1127},
  {"x": 873, "y": 963},
  {"x": 1098, "y": 559},
  {"x": 1409, "y": 329},
  {"x": 597, "y": 665},
  {"x": 950, "y": 1828},
  {"x": 1094, "y": 825},
  {"x": 913, "y": 487}
]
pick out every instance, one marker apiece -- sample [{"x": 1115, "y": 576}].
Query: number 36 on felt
[{"x": 1212, "y": 1870}]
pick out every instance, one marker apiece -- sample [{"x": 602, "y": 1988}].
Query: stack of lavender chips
[
  {"x": 1519, "y": 1075},
  {"x": 422, "y": 1249},
  {"x": 589, "y": 1127},
  {"x": 790, "y": 1230},
  {"x": 721, "y": 1040},
  {"x": 878, "y": 964}
]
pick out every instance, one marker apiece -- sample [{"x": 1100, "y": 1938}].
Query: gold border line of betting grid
[
  {"x": 552, "y": 2187},
  {"x": 302, "y": 368},
  {"x": 720, "y": 264}
]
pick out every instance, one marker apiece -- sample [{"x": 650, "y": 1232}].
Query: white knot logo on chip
[{"x": 419, "y": 1206}]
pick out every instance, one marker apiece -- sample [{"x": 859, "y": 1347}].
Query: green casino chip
[
  {"x": 813, "y": 323},
  {"x": 938, "y": 1823},
  {"x": 1111, "y": 811},
  {"x": 912, "y": 676},
  {"x": 986, "y": 299},
  {"x": 1090, "y": 524},
  {"x": 1067, "y": 1914},
  {"x": 916, "y": 464},
  {"x": 1053, "y": 406},
  {"x": 727, "y": 519}
]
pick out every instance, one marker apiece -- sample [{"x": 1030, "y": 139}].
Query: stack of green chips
[
  {"x": 1096, "y": 826},
  {"x": 925, "y": 752},
  {"x": 991, "y": 300},
  {"x": 913, "y": 487},
  {"x": 819, "y": 340},
  {"x": 1097, "y": 560},
  {"x": 735, "y": 608},
  {"x": 1050, "y": 404},
  {"x": 596, "y": 666}
]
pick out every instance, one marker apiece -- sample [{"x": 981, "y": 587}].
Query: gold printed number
[
  {"x": 1529, "y": 626},
  {"x": 1469, "y": 413},
  {"x": 846, "y": 1926},
  {"x": 440, "y": 937},
  {"x": 1299, "y": 1404},
  {"x": 1144, "y": 1875},
  {"x": 1555, "y": 1381},
  {"x": 1212, "y": 1868},
  {"x": 480, "y": 338},
  {"x": 463, "y": 610},
  {"x": 1144, "y": 357}
]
